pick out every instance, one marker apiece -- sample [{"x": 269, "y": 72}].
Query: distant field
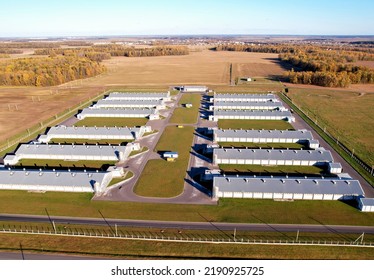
[
  {"x": 347, "y": 115},
  {"x": 166, "y": 179},
  {"x": 111, "y": 122},
  {"x": 187, "y": 115},
  {"x": 254, "y": 124}
]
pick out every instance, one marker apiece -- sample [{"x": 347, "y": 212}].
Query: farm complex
[{"x": 28, "y": 167}]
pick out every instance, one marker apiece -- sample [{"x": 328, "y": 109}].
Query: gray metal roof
[
  {"x": 248, "y": 103},
  {"x": 242, "y": 133},
  {"x": 335, "y": 165},
  {"x": 73, "y": 150},
  {"x": 113, "y": 111},
  {"x": 261, "y": 113},
  {"x": 287, "y": 185},
  {"x": 266, "y": 154},
  {"x": 236, "y": 96},
  {"x": 58, "y": 131},
  {"x": 128, "y": 103},
  {"x": 138, "y": 95},
  {"x": 49, "y": 178},
  {"x": 367, "y": 201}
]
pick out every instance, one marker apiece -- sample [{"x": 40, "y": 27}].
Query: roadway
[{"x": 260, "y": 227}]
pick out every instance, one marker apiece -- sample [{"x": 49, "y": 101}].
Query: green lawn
[
  {"x": 65, "y": 164},
  {"x": 262, "y": 145},
  {"x": 228, "y": 210},
  {"x": 330, "y": 107},
  {"x": 279, "y": 170},
  {"x": 88, "y": 141},
  {"x": 187, "y": 115},
  {"x": 254, "y": 124},
  {"x": 134, "y": 249},
  {"x": 110, "y": 122},
  {"x": 114, "y": 181},
  {"x": 161, "y": 178}
]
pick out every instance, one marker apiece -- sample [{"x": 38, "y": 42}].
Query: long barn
[
  {"x": 59, "y": 181},
  {"x": 116, "y": 113},
  {"x": 286, "y": 188},
  {"x": 262, "y": 136},
  {"x": 243, "y": 97},
  {"x": 247, "y": 105},
  {"x": 125, "y": 103},
  {"x": 271, "y": 157},
  {"x": 251, "y": 115},
  {"x": 94, "y": 133},
  {"x": 139, "y": 96},
  {"x": 69, "y": 152}
]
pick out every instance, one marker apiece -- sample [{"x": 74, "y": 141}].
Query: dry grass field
[{"x": 35, "y": 105}]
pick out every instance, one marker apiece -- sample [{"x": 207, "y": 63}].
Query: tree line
[
  {"x": 47, "y": 71},
  {"x": 120, "y": 50},
  {"x": 324, "y": 66}
]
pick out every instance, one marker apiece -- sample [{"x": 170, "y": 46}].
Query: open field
[
  {"x": 161, "y": 178},
  {"x": 187, "y": 115},
  {"x": 205, "y": 67},
  {"x": 129, "y": 249},
  {"x": 24, "y": 107},
  {"x": 254, "y": 124},
  {"x": 65, "y": 164},
  {"x": 272, "y": 170},
  {"x": 346, "y": 115},
  {"x": 228, "y": 210},
  {"x": 261, "y": 145},
  {"x": 111, "y": 122}
]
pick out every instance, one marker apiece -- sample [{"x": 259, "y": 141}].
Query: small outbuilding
[{"x": 366, "y": 204}]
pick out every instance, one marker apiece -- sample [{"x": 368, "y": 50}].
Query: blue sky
[{"x": 145, "y": 17}]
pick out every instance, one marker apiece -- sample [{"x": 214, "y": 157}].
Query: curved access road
[{"x": 262, "y": 227}]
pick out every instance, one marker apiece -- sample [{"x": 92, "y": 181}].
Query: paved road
[
  {"x": 347, "y": 168},
  {"x": 191, "y": 193},
  {"x": 263, "y": 227}
]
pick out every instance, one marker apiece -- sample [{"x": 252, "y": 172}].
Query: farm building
[
  {"x": 108, "y": 103},
  {"x": 139, "y": 96},
  {"x": 286, "y": 188},
  {"x": 58, "y": 181},
  {"x": 366, "y": 204},
  {"x": 313, "y": 144},
  {"x": 251, "y": 115},
  {"x": 194, "y": 89},
  {"x": 335, "y": 168},
  {"x": 261, "y": 136},
  {"x": 271, "y": 157},
  {"x": 116, "y": 113},
  {"x": 170, "y": 155},
  {"x": 247, "y": 105},
  {"x": 70, "y": 152},
  {"x": 243, "y": 97},
  {"x": 94, "y": 133}
]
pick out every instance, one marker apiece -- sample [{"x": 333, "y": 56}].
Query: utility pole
[
  {"x": 234, "y": 234},
  {"x": 297, "y": 235},
  {"x": 115, "y": 226}
]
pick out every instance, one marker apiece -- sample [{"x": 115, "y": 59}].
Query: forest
[
  {"x": 47, "y": 71},
  {"x": 61, "y": 65},
  {"x": 324, "y": 66}
]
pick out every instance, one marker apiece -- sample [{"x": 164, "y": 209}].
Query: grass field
[
  {"x": 114, "y": 181},
  {"x": 65, "y": 164},
  {"x": 261, "y": 145},
  {"x": 254, "y": 124},
  {"x": 347, "y": 115},
  {"x": 111, "y": 122},
  {"x": 273, "y": 170},
  {"x": 129, "y": 249},
  {"x": 88, "y": 141},
  {"x": 166, "y": 179},
  {"x": 187, "y": 115},
  {"x": 228, "y": 210}
]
